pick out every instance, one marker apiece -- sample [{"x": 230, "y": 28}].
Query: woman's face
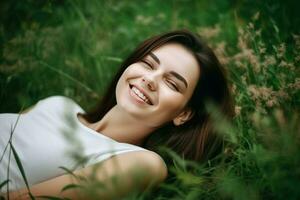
[{"x": 156, "y": 89}]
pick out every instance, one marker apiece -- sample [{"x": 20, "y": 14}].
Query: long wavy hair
[{"x": 196, "y": 139}]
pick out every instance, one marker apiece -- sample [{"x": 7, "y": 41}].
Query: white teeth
[{"x": 140, "y": 94}]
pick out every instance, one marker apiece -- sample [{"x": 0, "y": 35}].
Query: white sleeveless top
[{"x": 49, "y": 137}]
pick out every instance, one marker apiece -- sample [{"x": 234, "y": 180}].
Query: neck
[{"x": 122, "y": 127}]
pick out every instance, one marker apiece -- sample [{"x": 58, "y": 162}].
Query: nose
[{"x": 149, "y": 82}]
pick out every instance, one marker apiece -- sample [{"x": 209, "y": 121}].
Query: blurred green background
[
  {"x": 73, "y": 48},
  {"x": 42, "y": 40}
]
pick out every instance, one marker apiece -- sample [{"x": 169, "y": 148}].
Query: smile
[{"x": 140, "y": 95}]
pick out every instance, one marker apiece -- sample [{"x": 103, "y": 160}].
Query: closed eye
[
  {"x": 147, "y": 63},
  {"x": 172, "y": 85}
]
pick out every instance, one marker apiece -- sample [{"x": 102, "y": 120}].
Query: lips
[{"x": 141, "y": 94}]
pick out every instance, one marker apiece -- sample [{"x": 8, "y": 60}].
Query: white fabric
[{"x": 44, "y": 139}]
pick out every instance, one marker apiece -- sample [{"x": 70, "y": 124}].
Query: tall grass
[{"x": 76, "y": 48}]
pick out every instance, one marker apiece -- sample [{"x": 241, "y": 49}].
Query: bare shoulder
[
  {"x": 148, "y": 161},
  {"x": 146, "y": 164}
]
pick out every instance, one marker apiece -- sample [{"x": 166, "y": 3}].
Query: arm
[{"x": 118, "y": 173}]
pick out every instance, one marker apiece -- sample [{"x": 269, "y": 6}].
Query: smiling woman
[{"x": 157, "y": 98}]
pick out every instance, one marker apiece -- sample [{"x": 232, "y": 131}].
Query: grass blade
[
  {"x": 20, "y": 166},
  {"x": 4, "y": 183},
  {"x": 67, "y": 170},
  {"x": 70, "y": 186}
]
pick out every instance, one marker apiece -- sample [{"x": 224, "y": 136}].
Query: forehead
[{"x": 175, "y": 57}]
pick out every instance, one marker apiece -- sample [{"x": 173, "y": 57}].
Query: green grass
[{"x": 73, "y": 48}]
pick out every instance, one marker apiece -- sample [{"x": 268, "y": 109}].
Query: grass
[{"x": 73, "y": 48}]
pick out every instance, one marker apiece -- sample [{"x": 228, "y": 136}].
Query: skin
[{"x": 168, "y": 77}]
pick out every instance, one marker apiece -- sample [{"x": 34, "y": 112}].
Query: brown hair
[{"x": 196, "y": 139}]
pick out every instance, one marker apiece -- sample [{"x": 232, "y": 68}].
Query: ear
[{"x": 183, "y": 117}]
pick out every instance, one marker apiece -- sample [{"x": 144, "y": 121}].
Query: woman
[{"x": 157, "y": 98}]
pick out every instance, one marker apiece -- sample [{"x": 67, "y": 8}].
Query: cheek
[
  {"x": 133, "y": 71},
  {"x": 127, "y": 74},
  {"x": 121, "y": 85},
  {"x": 170, "y": 105}
]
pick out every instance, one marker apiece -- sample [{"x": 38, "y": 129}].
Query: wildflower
[
  {"x": 283, "y": 64},
  {"x": 258, "y": 32},
  {"x": 297, "y": 40},
  {"x": 244, "y": 79},
  {"x": 269, "y": 60},
  {"x": 296, "y": 85},
  {"x": 287, "y": 65},
  {"x": 262, "y": 50},
  {"x": 254, "y": 92},
  {"x": 242, "y": 43},
  {"x": 281, "y": 50},
  {"x": 282, "y": 94},
  {"x": 239, "y": 64},
  {"x": 209, "y": 32},
  {"x": 241, "y": 31},
  {"x": 256, "y": 16},
  {"x": 249, "y": 55},
  {"x": 262, "y": 46},
  {"x": 143, "y": 19},
  {"x": 251, "y": 25},
  {"x": 272, "y": 102},
  {"x": 233, "y": 89},
  {"x": 237, "y": 110},
  {"x": 265, "y": 93},
  {"x": 254, "y": 61},
  {"x": 221, "y": 52}
]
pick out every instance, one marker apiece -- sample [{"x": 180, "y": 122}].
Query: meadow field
[{"x": 73, "y": 48}]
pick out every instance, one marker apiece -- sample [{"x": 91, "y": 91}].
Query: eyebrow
[
  {"x": 154, "y": 57},
  {"x": 179, "y": 77},
  {"x": 175, "y": 74}
]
